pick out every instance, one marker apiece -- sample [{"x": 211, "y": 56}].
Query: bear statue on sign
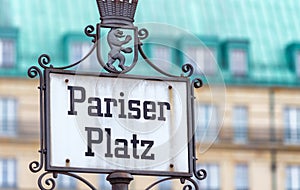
[{"x": 115, "y": 45}]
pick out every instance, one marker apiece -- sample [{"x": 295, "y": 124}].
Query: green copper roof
[
  {"x": 42, "y": 25},
  {"x": 269, "y": 25}
]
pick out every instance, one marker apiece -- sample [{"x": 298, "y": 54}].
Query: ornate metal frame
[{"x": 94, "y": 33}]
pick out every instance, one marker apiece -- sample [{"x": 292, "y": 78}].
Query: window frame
[
  {"x": 165, "y": 185},
  {"x": 297, "y": 63},
  {"x": 292, "y": 51},
  {"x": 71, "y": 38},
  {"x": 103, "y": 183},
  {"x": 210, "y": 179},
  {"x": 4, "y": 183},
  {"x": 72, "y": 183},
  {"x": 289, "y": 180},
  {"x": 206, "y": 42},
  {"x": 4, "y": 101},
  {"x": 166, "y": 64},
  {"x": 236, "y": 44},
  {"x": 208, "y": 53},
  {"x": 239, "y": 175},
  {"x": 8, "y": 33},
  {"x": 5, "y": 62},
  {"x": 240, "y": 128},
  {"x": 291, "y": 133},
  {"x": 166, "y": 41},
  {"x": 202, "y": 133}
]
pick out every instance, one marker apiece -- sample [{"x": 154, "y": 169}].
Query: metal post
[{"x": 119, "y": 180}]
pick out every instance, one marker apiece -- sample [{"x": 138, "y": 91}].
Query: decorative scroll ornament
[
  {"x": 46, "y": 182},
  {"x": 192, "y": 183},
  {"x": 36, "y": 166}
]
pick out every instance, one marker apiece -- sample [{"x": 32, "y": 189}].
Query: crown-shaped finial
[{"x": 118, "y": 12}]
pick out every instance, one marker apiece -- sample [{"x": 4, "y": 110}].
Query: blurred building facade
[{"x": 255, "y": 44}]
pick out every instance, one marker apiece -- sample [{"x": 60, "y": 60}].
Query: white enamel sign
[{"x": 105, "y": 123}]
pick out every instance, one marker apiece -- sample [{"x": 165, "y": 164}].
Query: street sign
[{"x": 100, "y": 124}]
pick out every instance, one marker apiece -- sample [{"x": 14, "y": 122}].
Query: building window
[
  {"x": 292, "y": 53},
  {"x": 297, "y": 63},
  {"x": 8, "y": 116},
  {"x": 202, "y": 58},
  {"x": 7, "y": 52},
  {"x": 292, "y": 178},
  {"x": 65, "y": 182},
  {"x": 241, "y": 177},
  {"x": 238, "y": 62},
  {"x": 161, "y": 56},
  {"x": 292, "y": 125},
  {"x": 103, "y": 183},
  {"x": 78, "y": 50},
  {"x": 207, "y": 123},
  {"x": 236, "y": 57},
  {"x": 8, "y": 170},
  {"x": 240, "y": 124},
  {"x": 212, "y": 181}
]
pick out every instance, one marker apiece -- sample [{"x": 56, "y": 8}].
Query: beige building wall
[{"x": 256, "y": 154}]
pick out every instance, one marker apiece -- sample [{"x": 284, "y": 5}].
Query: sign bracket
[{"x": 119, "y": 180}]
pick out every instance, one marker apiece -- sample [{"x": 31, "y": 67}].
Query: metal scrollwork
[
  {"x": 197, "y": 83},
  {"x": 189, "y": 186},
  {"x": 33, "y": 72},
  {"x": 200, "y": 174},
  {"x": 36, "y": 166},
  {"x": 81, "y": 60},
  {"x": 182, "y": 181},
  {"x": 188, "y": 68},
  {"x": 143, "y": 33},
  {"x": 44, "y": 60},
  {"x": 80, "y": 179},
  {"x": 151, "y": 64},
  {"x": 89, "y": 32},
  {"x": 116, "y": 39},
  {"x": 49, "y": 182},
  {"x": 116, "y": 52},
  {"x": 158, "y": 182}
]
